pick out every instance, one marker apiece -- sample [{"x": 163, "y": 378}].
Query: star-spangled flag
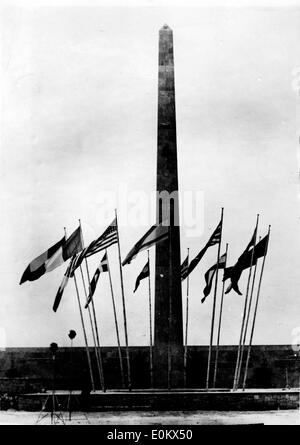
[
  {"x": 103, "y": 267},
  {"x": 250, "y": 255},
  {"x": 209, "y": 276},
  {"x": 108, "y": 238},
  {"x": 63, "y": 285},
  {"x": 214, "y": 239},
  {"x": 155, "y": 234},
  {"x": 144, "y": 274}
]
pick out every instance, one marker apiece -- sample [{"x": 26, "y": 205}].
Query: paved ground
[{"x": 285, "y": 417}]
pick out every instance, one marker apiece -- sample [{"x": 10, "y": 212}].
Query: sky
[{"x": 79, "y": 125}]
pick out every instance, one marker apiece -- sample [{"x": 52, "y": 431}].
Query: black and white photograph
[{"x": 150, "y": 215}]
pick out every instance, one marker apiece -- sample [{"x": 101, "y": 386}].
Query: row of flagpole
[
  {"x": 219, "y": 324},
  {"x": 55, "y": 256},
  {"x": 84, "y": 329},
  {"x": 96, "y": 333},
  {"x": 245, "y": 318},
  {"x": 214, "y": 306},
  {"x": 239, "y": 359},
  {"x": 72, "y": 248},
  {"x": 245, "y": 321},
  {"x": 94, "y": 324}
]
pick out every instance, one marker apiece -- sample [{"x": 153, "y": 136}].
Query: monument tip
[{"x": 165, "y": 28}]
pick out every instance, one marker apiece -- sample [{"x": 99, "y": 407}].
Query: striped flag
[
  {"x": 154, "y": 235},
  {"x": 214, "y": 239},
  {"x": 103, "y": 267},
  {"x": 184, "y": 267},
  {"x": 63, "y": 285},
  {"x": 209, "y": 276},
  {"x": 144, "y": 274},
  {"x": 108, "y": 237}
]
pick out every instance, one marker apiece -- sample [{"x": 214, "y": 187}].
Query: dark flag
[
  {"x": 144, "y": 274},
  {"x": 154, "y": 235},
  {"x": 103, "y": 267},
  {"x": 38, "y": 266},
  {"x": 108, "y": 238},
  {"x": 214, "y": 239},
  {"x": 74, "y": 244},
  {"x": 184, "y": 267},
  {"x": 63, "y": 285},
  {"x": 209, "y": 276},
  {"x": 245, "y": 261}
]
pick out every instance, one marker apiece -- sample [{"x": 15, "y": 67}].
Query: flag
[
  {"x": 235, "y": 272},
  {"x": 103, "y": 267},
  {"x": 72, "y": 246},
  {"x": 209, "y": 276},
  {"x": 248, "y": 258},
  {"x": 144, "y": 274},
  {"x": 184, "y": 267},
  {"x": 38, "y": 266},
  {"x": 108, "y": 237},
  {"x": 54, "y": 257},
  {"x": 214, "y": 239},
  {"x": 63, "y": 285},
  {"x": 154, "y": 235}
]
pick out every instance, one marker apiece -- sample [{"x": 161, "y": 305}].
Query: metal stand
[
  {"x": 72, "y": 400},
  {"x": 55, "y": 413},
  {"x": 69, "y": 399},
  {"x": 69, "y": 405}
]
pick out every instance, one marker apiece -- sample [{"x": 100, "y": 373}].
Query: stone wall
[{"x": 32, "y": 369}]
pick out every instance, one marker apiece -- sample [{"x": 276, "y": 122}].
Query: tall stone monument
[{"x": 168, "y": 326}]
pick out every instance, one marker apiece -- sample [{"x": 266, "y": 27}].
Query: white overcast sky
[{"x": 79, "y": 110}]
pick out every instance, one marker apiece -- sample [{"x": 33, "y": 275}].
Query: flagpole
[
  {"x": 124, "y": 306},
  {"x": 170, "y": 309},
  {"x": 90, "y": 318},
  {"x": 250, "y": 304},
  {"x": 214, "y": 306},
  {"x": 98, "y": 348},
  {"x": 219, "y": 324},
  {"x": 186, "y": 322},
  {"x": 84, "y": 334},
  {"x": 255, "y": 311},
  {"x": 248, "y": 315},
  {"x": 240, "y": 349},
  {"x": 98, "y": 358},
  {"x": 150, "y": 324},
  {"x": 116, "y": 322}
]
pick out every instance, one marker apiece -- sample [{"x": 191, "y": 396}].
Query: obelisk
[{"x": 168, "y": 326}]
